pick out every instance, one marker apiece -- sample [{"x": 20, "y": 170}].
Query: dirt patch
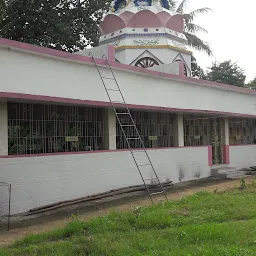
[{"x": 177, "y": 192}]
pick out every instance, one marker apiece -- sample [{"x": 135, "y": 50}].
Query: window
[
  {"x": 196, "y": 130},
  {"x": 155, "y": 129},
  {"x": 146, "y": 62},
  {"x": 39, "y": 128},
  {"x": 242, "y": 131}
]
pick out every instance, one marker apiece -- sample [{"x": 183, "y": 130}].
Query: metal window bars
[
  {"x": 41, "y": 128},
  {"x": 242, "y": 131},
  {"x": 9, "y": 186},
  {"x": 118, "y": 100},
  {"x": 155, "y": 128}
]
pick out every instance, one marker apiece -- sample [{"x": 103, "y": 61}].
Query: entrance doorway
[
  {"x": 217, "y": 140},
  {"x": 205, "y": 130}
]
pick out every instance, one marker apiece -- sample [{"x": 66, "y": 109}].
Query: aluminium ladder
[{"x": 132, "y": 125}]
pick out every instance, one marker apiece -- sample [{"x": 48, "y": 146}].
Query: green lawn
[{"x": 203, "y": 224}]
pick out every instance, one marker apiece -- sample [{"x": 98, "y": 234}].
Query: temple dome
[{"x": 139, "y": 15}]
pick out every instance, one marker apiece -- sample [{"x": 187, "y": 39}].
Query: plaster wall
[
  {"x": 172, "y": 68},
  {"x": 39, "y": 75},
  {"x": 42, "y": 180},
  {"x": 127, "y": 56},
  {"x": 97, "y": 52},
  {"x": 242, "y": 156}
]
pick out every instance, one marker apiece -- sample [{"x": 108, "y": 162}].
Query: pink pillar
[
  {"x": 181, "y": 68},
  {"x": 111, "y": 53},
  {"x": 226, "y": 157},
  {"x": 210, "y": 156}
]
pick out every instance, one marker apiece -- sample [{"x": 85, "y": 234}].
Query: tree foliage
[
  {"x": 227, "y": 72},
  {"x": 197, "y": 71},
  {"x": 191, "y": 28},
  {"x": 67, "y": 25},
  {"x": 251, "y": 84},
  {"x": 2, "y": 9}
]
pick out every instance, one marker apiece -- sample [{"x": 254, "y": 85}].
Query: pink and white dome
[{"x": 132, "y": 16}]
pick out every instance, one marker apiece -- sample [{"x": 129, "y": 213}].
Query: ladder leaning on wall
[{"x": 126, "y": 112}]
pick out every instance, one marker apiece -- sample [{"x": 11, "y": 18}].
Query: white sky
[{"x": 230, "y": 32}]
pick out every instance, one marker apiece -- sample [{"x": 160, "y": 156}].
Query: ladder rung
[
  {"x": 156, "y": 193},
  {"x": 115, "y": 90},
  {"x": 143, "y": 165},
  {"x": 111, "y": 78},
  {"x": 122, "y": 102},
  {"x": 128, "y": 125},
  {"x": 137, "y": 151},
  {"x": 122, "y": 113},
  {"x": 132, "y": 138}
]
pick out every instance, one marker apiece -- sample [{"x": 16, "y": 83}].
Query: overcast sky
[{"x": 230, "y": 32}]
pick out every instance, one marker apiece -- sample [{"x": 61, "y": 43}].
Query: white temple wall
[
  {"x": 37, "y": 75},
  {"x": 242, "y": 156},
  {"x": 41, "y": 180}
]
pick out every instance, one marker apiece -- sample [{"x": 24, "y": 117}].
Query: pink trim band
[
  {"x": 51, "y": 99},
  {"x": 241, "y": 145},
  {"x": 76, "y": 57}
]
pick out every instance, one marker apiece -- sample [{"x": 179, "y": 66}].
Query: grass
[{"x": 200, "y": 225}]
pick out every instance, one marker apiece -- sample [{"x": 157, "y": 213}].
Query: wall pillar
[
  {"x": 226, "y": 157},
  {"x": 109, "y": 129},
  {"x": 179, "y": 131},
  {"x": 3, "y": 129}
]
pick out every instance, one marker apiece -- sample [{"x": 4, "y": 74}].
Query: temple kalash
[{"x": 124, "y": 114}]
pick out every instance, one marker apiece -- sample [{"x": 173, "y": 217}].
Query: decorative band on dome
[{"x": 120, "y": 4}]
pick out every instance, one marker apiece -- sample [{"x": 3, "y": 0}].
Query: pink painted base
[
  {"x": 226, "y": 156},
  {"x": 210, "y": 163}
]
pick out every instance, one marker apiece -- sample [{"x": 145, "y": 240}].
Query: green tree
[
  {"x": 2, "y": 8},
  {"x": 191, "y": 28},
  {"x": 197, "y": 71},
  {"x": 227, "y": 73},
  {"x": 251, "y": 84},
  {"x": 68, "y": 25}
]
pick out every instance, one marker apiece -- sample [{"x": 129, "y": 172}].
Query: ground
[{"x": 215, "y": 223}]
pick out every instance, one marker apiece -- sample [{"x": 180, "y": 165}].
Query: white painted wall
[
  {"x": 97, "y": 52},
  {"x": 172, "y": 68},
  {"x": 109, "y": 129},
  {"x": 242, "y": 156},
  {"x": 127, "y": 56},
  {"x": 37, "y": 181},
  {"x": 53, "y": 77},
  {"x": 3, "y": 129}
]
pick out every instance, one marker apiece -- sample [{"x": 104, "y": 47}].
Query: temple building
[{"x": 59, "y": 135}]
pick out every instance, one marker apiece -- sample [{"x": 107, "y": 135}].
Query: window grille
[
  {"x": 156, "y": 130},
  {"x": 39, "y": 128},
  {"x": 203, "y": 131},
  {"x": 242, "y": 131},
  {"x": 197, "y": 130}
]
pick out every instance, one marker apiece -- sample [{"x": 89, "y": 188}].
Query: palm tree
[{"x": 191, "y": 29}]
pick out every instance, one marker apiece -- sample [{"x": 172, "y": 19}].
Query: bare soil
[{"x": 8, "y": 238}]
